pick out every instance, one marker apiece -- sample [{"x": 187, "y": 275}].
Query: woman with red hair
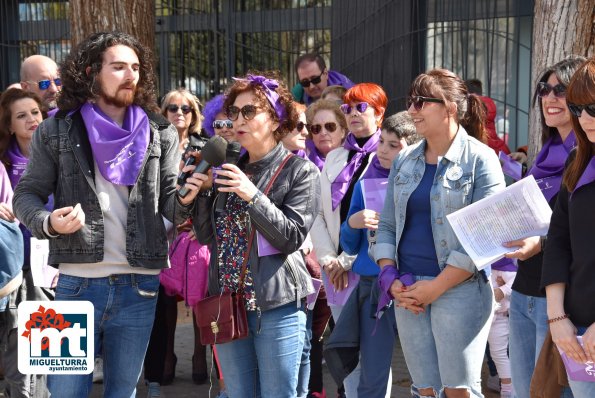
[{"x": 364, "y": 106}]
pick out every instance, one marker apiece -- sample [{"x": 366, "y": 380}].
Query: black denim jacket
[
  {"x": 61, "y": 163},
  {"x": 284, "y": 217}
]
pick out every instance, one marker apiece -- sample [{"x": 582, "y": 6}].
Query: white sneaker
[
  {"x": 493, "y": 383},
  {"x": 98, "y": 371},
  {"x": 154, "y": 390}
]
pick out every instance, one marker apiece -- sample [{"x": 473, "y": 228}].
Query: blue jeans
[
  {"x": 528, "y": 327},
  {"x": 444, "y": 346},
  {"x": 268, "y": 360},
  {"x": 304, "y": 373},
  {"x": 124, "y": 312}
]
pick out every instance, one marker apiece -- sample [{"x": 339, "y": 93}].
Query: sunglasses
[
  {"x": 317, "y": 128},
  {"x": 300, "y": 126},
  {"x": 173, "y": 108},
  {"x": 543, "y": 90},
  {"x": 361, "y": 107},
  {"x": 45, "y": 84},
  {"x": 219, "y": 124},
  {"x": 314, "y": 80},
  {"x": 577, "y": 110},
  {"x": 418, "y": 101},
  {"x": 247, "y": 111}
]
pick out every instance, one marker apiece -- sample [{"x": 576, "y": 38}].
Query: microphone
[
  {"x": 196, "y": 143},
  {"x": 232, "y": 155},
  {"x": 213, "y": 154}
]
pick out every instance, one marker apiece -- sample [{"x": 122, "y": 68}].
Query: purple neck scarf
[
  {"x": 505, "y": 264},
  {"x": 118, "y": 151},
  {"x": 375, "y": 170},
  {"x": 587, "y": 177},
  {"x": 549, "y": 164},
  {"x": 313, "y": 154},
  {"x": 18, "y": 162},
  {"x": 300, "y": 153},
  {"x": 340, "y": 186}
]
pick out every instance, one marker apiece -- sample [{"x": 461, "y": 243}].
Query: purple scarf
[
  {"x": 505, "y": 264},
  {"x": 587, "y": 177},
  {"x": 313, "y": 154},
  {"x": 118, "y": 151},
  {"x": 549, "y": 164},
  {"x": 334, "y": 79},
  {"x": 375, "y": 170},
  {"x": 340, "y": 186},
  {"x": 300, "y": 153},
  {"x": 18, "y": 162}
]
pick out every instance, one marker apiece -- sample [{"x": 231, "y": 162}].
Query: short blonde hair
[
  {"x": 196, "y": 123},
  {"x": 326, "y": 105}
]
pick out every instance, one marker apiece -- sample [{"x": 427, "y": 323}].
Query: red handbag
[{"x": 222, "y": 318}]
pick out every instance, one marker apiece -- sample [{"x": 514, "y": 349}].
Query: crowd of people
[{"x": 333, "y": 214}]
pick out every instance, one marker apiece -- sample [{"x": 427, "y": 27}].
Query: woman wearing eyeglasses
[
  {"x": 569, "y": 260},
  {"x": 527, "y": 312},
  {"x": 296, "y": 140},
  {"x": 20, "y": 114},
  {"x": 182, "y": 109},
  {"x": 276, "y": 281},
  {"x": 327, "y": 130},
  {"x": 216, "y": 121},
  {"x": 364, "y": 108},
  {"x": 443, "y": 303}
]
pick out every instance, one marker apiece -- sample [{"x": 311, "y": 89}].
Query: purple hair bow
[{"x": 269, "y": 86}]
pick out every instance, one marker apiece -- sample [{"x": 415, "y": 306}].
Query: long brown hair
[
  {"x": 8, "y": 98},
  {"x": 446, "y": 85},
  {"x": 581, "y": 91}
]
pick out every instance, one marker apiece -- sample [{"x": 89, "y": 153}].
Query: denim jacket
[
  {"x": 470, "y": 171},
  {"x": 61, "y": 164}
]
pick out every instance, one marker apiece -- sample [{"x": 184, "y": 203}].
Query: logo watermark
[{"x": 56, "y": 337}]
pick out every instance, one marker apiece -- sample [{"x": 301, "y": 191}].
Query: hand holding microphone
[
  {"x": 232, "y": 155},
  {"x": 213, "y": 154}
]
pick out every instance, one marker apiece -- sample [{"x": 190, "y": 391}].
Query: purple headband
[{"x": 269, "y": 86}]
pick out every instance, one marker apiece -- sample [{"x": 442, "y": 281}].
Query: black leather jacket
[
  {"x": 284, "y": 218},
  {"x": 61, "y": 164}
]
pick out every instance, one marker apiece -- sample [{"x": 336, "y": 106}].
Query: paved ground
[{"x": 183, "y": 386}]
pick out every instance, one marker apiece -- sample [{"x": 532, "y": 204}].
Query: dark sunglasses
[
  {"x": 173, "y": 108},
  {"x": 418, "y": 101},
  {"x": 300, "y": 126},
  {"x": 45, "y": 84},
  {"x": 361, "y": 107},
  {"x": 247, "y": 111},
  {"x": 219, "y": 124},
  {"x": 317, "y": 128},
  {"x": 544, "y": 89},
  {"x": 314, "y": 80},
  {"x": 577, "y": 110}
]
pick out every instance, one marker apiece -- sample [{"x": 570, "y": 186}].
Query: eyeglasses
[
  {"x": 219, "y": 124},
  {"x": 173, "y": 108},
  {"x": 360, "y": 107},
  {"x": 314, "y": 80},
  {"x": 247, "y": 111},
  {"x": 317, "y": 128},
  {"x": 300, "y": 126},
  {"x": 418, "y": 101},
  {"x": 577, "y": 110},
  {"x": 544, "y": 89},
  {"x": 45, "y": 84}
]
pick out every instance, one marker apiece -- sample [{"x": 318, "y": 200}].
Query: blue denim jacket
[{"x": 475, "y": 173}]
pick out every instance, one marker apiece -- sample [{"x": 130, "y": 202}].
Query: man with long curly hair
[{"x": 111, "y": 164}]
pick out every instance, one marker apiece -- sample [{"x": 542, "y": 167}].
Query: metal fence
[{"x": 201, "y": 44}]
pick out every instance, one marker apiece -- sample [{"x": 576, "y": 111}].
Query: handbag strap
[{"x": 244, "y": 270}]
